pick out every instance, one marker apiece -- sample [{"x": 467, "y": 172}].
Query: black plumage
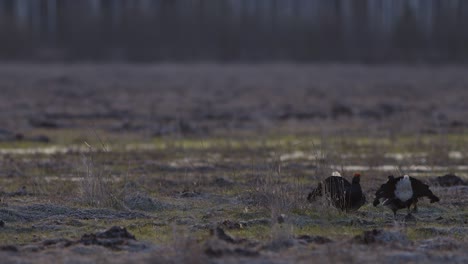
[
  {"x": 340, "y": 192},
  {"x": 395, "y": 195}
]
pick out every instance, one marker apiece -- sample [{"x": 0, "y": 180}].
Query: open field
[{"x": 213, "y": 163}]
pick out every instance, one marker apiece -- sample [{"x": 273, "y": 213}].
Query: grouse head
[{"x": 356, "y": 178}]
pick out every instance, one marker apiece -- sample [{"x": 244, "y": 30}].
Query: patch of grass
[
  {"x": 255, "y": 232},
  {"x": 260, "y": 186},
  {"x": 332, "y": 231},
  {"x": 23, "y": 144},
  {"x": 22, "y": 234},
  {"x": 98, "y": 188}
]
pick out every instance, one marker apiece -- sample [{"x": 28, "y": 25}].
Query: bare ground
[{"x": 212, "y": 163}]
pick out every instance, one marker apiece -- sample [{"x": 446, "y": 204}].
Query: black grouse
[
  {"x": 341, "y": 194},
  {"x": 402, "y": 192}
]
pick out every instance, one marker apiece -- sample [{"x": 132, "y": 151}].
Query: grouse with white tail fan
[
  {"x": 341, "y": 194},
  {"x": 402, "y": 192}
]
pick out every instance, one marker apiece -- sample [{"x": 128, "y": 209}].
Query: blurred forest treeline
[{"x": 235, "y": 30}]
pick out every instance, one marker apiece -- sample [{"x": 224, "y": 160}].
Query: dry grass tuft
[
  {"x": 98, "y": 188},
  {"x": 279, "y": 196}
]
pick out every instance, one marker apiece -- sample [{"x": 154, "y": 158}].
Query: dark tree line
[{"x": 235, "y": 30}]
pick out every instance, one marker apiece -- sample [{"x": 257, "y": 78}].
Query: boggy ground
[{"x": 222, "y": 174}]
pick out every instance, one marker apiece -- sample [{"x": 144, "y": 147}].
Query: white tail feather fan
[{"x": 336, "y": 173}]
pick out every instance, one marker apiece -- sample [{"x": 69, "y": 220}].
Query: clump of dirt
[
  {"x": 189, "y": 194},
  {"x": 6, "y": 135},
  {"x": 20, "y": 192},
  {"x": 220, "y": 234},
  {"x": 44, "y": 122},
  {"x": 222, "y": 182},
  {"x": 222, "y": 244},
  {"x": 356, "y": 222},
  {"x": 382, "y": 237},
  {"x": 233, "y": 224},
  {"x": 434, "y": 231},
  {"x": 314, "y": 239},
  {"x": 37, "y": 212},
  {"x": 220, "y": 249},
  {"x": 449, "y": 180},
  {"x": 10, "y": 136},
  {"x": 10, "y": 248},
  {"x": 141, "y": 201},
  {"x": 115, "y": 238},
  {"x": 279, "y": 244}
]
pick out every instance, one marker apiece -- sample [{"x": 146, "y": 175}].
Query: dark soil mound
[
  {"x": 449, "y": 180},
  {"x": 112, "y": 238},
  {"x": 382, "y": 237}
]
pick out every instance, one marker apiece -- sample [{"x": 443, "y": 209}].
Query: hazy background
[
  {"x": 371, "y": 31},
  {"x": 201, "y": 67}
]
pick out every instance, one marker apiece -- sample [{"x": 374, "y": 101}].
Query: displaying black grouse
[
  {"x": 402, "y": 192},
  {"x": 341, "y": 194}
]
